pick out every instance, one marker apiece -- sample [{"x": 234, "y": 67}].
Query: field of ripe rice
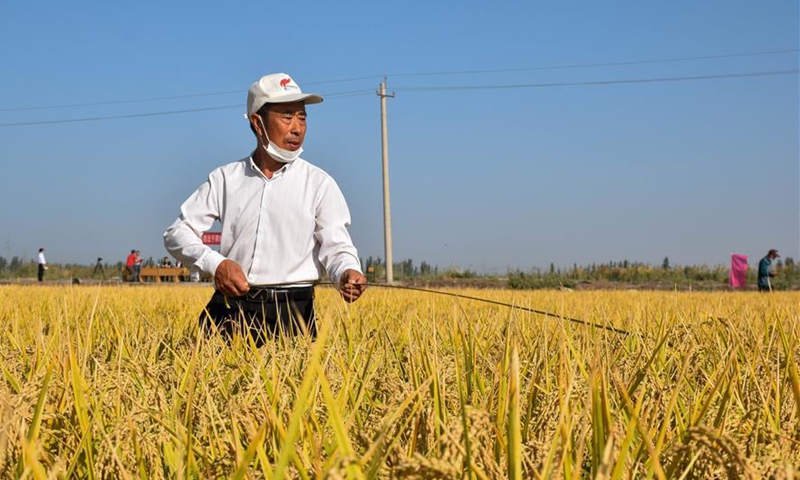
[{"x": 114, "y": 382}]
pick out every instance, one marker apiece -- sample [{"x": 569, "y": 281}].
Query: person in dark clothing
[
  {"x": 766, "y": 271},
  {"x": 42, "y": 265}
]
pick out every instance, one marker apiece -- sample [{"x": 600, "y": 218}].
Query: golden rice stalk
[{"x": 513, "y": 428}]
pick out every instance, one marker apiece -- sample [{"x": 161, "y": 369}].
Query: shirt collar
[{"x": 276, "y": 174}]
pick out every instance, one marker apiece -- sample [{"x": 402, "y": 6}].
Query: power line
[
  {"x": 408, "y": 74},
  {"x": 170, "y": 97},
  {"x": 349, "y": 93},
  {"x": 341, "y": 80},
  {"x": 595, "y": 65},
  {"x": 117, "y": 102},
  {"x": 599, "y": 82},
  {"x": 114, "y": 117},
  {"x": 143, "y": 100},
  {"x": 354, "y": 93}
]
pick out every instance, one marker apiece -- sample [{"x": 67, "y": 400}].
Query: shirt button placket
[{"x": 260, "y": 231}]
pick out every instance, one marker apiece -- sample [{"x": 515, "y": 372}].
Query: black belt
[{"x": 278, "y": 294}]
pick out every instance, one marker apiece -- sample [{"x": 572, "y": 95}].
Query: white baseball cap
[{"x": 277, "y": 88}]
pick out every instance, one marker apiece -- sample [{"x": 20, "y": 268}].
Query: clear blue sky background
[{"x": 484, "y": 179}]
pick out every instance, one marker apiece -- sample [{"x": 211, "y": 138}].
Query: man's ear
[{"x": 255, "y": 124}]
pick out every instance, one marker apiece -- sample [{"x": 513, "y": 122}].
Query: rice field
[{"x": 116, "y": 382}]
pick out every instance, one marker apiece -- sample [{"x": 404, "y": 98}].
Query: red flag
[{"x": 738, "y": 270}]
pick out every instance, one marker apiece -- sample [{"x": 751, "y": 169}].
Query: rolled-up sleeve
[
  {"x": 336, "y": 250},
  {"x": 183, "y": 239}
]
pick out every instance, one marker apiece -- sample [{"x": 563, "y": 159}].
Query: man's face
[{"x": 286, "y": 125}]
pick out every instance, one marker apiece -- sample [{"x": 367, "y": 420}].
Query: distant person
[
  {"x": 165, "y": 263},
  {"x": 284, "y": 223},
  {"x": 129, "y": 262},
  {"x": 137, "y": 266},
  {"x": 766, "y": 271},
  {"x": 42, "y": 265}
]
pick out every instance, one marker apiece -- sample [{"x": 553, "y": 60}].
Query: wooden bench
[{"x": 154, "y": 274}]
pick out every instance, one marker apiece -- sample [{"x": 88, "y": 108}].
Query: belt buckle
[{"x": 257, "y": 295}]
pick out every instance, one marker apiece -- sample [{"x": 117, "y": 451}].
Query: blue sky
[{"x": 488, "y": 178}]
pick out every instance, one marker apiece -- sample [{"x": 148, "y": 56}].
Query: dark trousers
[
  {"x": 40, "y": 274},
  {"x": 261, "y": 314}
]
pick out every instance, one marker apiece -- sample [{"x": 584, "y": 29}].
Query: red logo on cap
[{"x": 285, "y": 82}]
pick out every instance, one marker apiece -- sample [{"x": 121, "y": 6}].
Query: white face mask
[{"x": 279, "y": 154}]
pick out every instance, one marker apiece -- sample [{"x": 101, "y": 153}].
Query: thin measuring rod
[{"x": 495, "y": 302}]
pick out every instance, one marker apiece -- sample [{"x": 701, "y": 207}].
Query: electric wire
[
  {"x": 158, "y": 99},
  {"x": 115, "y": 117},
  {"x": 354, "y": 93},
  {"x": 599, "y": 82},
  {"x": 410, "y": 74},
  {"x": 118, "y": 102},
  {"x": 424, "y": 89},
  {"x": 144, "y": 100},
  {"x": 596, "y": 65},
  {"x": 495, "y": 302},
  {"x": 342, "y": 80}
]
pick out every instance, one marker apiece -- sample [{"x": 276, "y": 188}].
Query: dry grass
[{"x": 113, "y": 382}]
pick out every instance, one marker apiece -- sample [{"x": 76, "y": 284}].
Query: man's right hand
[{"x": 230, "y": 280}]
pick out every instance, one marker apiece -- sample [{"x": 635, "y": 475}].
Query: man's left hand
[{"x": 352, "y": 285}]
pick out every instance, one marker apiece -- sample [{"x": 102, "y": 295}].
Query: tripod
[{"x": 99, "y": 267}]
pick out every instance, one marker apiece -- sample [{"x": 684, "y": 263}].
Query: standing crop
[{"x": 115, "y": 382}]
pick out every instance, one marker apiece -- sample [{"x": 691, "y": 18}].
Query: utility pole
[{"x": 387, "y": 216}]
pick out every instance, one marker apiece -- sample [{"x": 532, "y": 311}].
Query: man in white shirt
[
  {"x": 42, "y": 265},
  {"x": 284, "y": 223}
]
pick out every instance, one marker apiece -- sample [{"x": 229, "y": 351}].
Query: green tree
[
  {"x": 424, "y": 268},
  {"x": 16, "y": 264}
]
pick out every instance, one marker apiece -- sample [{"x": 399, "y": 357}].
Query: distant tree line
[
  {"x": 640, "y": 273},
  {"x": 622, "y": 272},
  {"x": 375, "y": 269}
]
